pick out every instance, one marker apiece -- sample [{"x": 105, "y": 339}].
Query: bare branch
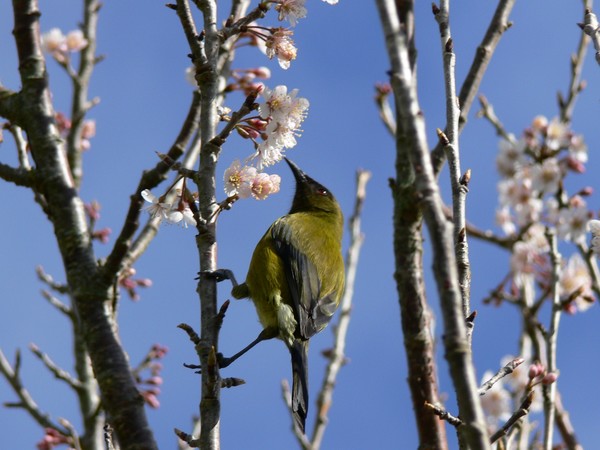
[
  {"x": 49, "y": 281},
  {"x": 57, "y": 304},
  {"x": 576, "y": 85},
  {"x": 287, "y": 398},
  {"x": 20, "y": 177},
  {"x": 336, "y": 355},
  {"x": 504, "y": 371},
  {"x": 120, "y": 257},
  {"x": 26, "y": 402},
  {"x": 414, "y": 138},
  {"x": 444, "y": 415},
  {"x": 517, "y": 415},
  {"x": 72, "y": 433},
  {"x": 80, "y": 103},
  {"x": 549, "y": 391},
  {"x": 592, "y": 29},
  {"x": 487, "y": 112},
  {"x": 498, "y": 25},
  {"x": 34, "y": 112},
  {"x": 58, "y": 373},
  {"x": 564, "y": 426}
]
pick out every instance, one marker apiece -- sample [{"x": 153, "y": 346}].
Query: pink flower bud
[
  {"x": 155, "y": 381},
  {"x": 144, "y": 282},
  {"x": 102, "y": 235},
  {"x": 262, "y": 72},
  {"x": 534, "y": 371},
  {"x": 574, "y": 165},
  {"x": 151, "y": 400},
  {"x": 550, "y": 378}
]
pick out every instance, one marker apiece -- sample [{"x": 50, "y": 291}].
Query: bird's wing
[{"x": 311, "y": 310}]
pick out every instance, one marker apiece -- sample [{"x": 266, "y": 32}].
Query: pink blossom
[{"x": 281, "y": 45}]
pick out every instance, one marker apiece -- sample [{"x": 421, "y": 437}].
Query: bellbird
[{"x": 296, "y": 278}]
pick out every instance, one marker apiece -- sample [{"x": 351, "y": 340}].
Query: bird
[{"x": 296, "y": 279}]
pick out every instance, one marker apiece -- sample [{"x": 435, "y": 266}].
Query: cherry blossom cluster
[
  {"x": 507, "y": 394},
  {"x": 532, "y": 196},
  {"x": 149, "y": 386},
  {"x": 60, "y": 46},
  {"x": 532, "y": 170},
  {"x": 130, "y": 284},
  {"x": 281, "y": 114},
  {"x": 92, "y": 211},
  {"x": 277, "y": 42},
  {"x": 246, "y": 181},
  {"x": 172, "y": 207},
  {"x": 88, "y": 130}
]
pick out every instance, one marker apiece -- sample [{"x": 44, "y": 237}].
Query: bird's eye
[{"x": 322, "y": 191}]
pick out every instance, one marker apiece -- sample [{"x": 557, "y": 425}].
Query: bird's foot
[
  {"x": 217, "y": 275},
  {"x": 221, "y": 361},
  {"x": 196, "y": 367}
]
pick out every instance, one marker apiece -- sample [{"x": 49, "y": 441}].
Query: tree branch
[
  {"x": 576, "y": 85},
  {"x": 498, "y": 25},
  {"x": 27, "y": 403},
  {"x": 65, "y": 210},
  {"x": 455, "y": 340},
  {"x": 549, "y": 391},
  {"x": 591, "y": 27},
  {"x": 58, "y": 373},
  {"x": 81, "y": 79},
  {"x": 121, "y": 257}
]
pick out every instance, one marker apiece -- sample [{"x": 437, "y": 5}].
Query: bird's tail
[{"x": 299, "y": 353}]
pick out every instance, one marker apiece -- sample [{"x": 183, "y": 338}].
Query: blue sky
[{"x": 144, "y": 98}]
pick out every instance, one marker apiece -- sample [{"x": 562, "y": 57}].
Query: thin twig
[
  {"x": 298, "y": 434},
  {"x": 549, "y": 391},
  {"x": 336, "y": 355},
  {"x": 72, "y": 433},
  {"x": 487, "y": 112},
  {"x": 592, "y": 29},
  {"x": 49, "y": 280},
  {"x": 592, "y": 265},
  {"x": 58, "y": 373},
  {"x": 26, "y": 401},
  {"x": 498, "y": 25},
  {"x": 576, "y": 85},
  {"x": 444, "y": 266},
  {"x": 21, "y": 143},
  {"x": 382, "y": 100},
  {"x": 451, "y": 148},
  {"x": 516, "y": 416},
  {"x": 121, "y": 255},
  {"x": 504, "y": 371},
  {"x": 564, "y": 426},
  {"x": 444, "y": 415},
  {"x": 66, "y": 310},
  {"x": 80, "y": 104}
]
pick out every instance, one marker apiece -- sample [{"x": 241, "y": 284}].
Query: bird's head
[{"x": 311, "y": 195}]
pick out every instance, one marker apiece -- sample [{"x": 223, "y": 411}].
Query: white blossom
[
  {"x": 594, "y": 227},
  {"x": 576, "y": 277},
  {"x": 238, "y": 179},
  {"x": 292, "y": 10},
  {"x": 546, "y": 176}
]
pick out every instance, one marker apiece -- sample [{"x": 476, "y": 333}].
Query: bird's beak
[{"x": 298, "y": 174}]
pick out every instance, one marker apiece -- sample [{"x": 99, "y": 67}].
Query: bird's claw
[
  {"x": 217, "y": 275},
  {"x": 196, "y": 367},
  {"x": 222, "y": 361}
]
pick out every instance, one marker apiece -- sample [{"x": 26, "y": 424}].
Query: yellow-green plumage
[{"x": 296, "y": 276}]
